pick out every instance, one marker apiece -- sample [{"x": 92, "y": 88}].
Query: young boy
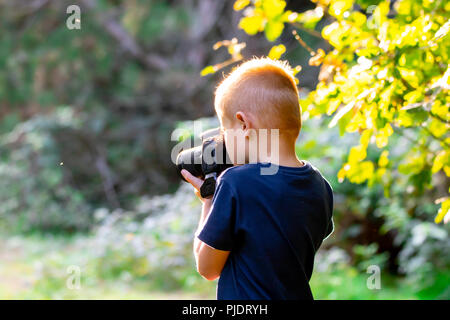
[{"x": 259, "y": 233}]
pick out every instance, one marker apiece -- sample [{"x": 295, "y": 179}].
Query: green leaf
[
  {"x": 277, "y": 51},
  {"x": 443, "y": 211},
  {"x": 310, "y": 18},
  {"x": 383, "y": 160},
  {"x": 440, "y": 160},
  {"x": 381, "y": 12},
  {"x": 273, "y": 30},
  {"x": 413, "y": 165},
  {"x": 360, "y": 171},
  {"x": 240, "y": 4},
  {"x": 443, "y": 31},
  {"x": 357, "y": 153},
  {"x": 273, "y": 8},
  {"x": 382, "y": 136},
  {"x": 342, "y": 111},
  {"x": 252, "y": 24},
  {"x": 337, "y": 8},
  {"x": 207, "y": 70}
]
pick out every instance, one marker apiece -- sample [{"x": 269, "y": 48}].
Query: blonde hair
[{"x": 267, "y": 89}]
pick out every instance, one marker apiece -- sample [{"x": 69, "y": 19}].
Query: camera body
[{"x": 206, "y": 161}]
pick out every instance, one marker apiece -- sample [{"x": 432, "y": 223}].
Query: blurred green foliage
[
  {"x": 125, "y": 77},
  {"x": 85, "y": 124},
  {"x": 396, "y": 233},
  {"x": 387, "y": 71},
  {"x": 147, "y": 254},
  {"x": 34, "y": 193}
]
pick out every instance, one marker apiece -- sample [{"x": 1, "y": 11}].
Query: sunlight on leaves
[{"x": 277, "y": 51}]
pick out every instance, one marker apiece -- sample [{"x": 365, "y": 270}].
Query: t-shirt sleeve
[{"x": 218, "y": 231}]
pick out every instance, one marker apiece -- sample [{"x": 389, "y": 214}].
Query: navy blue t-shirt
[{"x": 273, "y": 225}]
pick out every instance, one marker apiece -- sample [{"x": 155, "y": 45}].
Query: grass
[
  {"x": 35, "y": 267},
  {"x": 350, "y": 284}
]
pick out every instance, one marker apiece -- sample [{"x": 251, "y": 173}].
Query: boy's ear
[{"x": 244, "y": 121}]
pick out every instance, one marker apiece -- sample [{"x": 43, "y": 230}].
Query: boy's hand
[{"x": 196, "y": 183}]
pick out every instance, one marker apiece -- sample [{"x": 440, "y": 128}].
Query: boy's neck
[{"x": 286, "y": 155}]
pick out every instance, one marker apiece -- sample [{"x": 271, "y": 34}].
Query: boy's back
[{"x": 273, "y": 225}]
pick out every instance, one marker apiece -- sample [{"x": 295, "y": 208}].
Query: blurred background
[{"x": 91, "y": 204}]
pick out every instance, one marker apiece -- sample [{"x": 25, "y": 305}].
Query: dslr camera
[{"x": 206, "y": 161}]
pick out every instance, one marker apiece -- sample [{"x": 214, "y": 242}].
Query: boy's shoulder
[
  {"x": 238, "y": 174},
  {"x": 257, "y": 171},
  {"x": 244, "y": 175}
]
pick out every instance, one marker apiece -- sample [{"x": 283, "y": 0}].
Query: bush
[
  {"x": 34, "y": 191},
  {"x": 152, "y": 243}
]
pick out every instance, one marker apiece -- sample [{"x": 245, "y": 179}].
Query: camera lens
[{"x": 191, "y": 160}]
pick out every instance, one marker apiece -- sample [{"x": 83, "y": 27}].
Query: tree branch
[{"x": 127, "y": 43}]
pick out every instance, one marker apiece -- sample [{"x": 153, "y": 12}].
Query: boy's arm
[{"x": 210, "y": 261}]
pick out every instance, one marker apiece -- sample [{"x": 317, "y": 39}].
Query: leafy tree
[
  {"x": 386, "y": 73},
  {"x": 126, "y": 77}
]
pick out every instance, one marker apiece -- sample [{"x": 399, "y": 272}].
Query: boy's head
[{"x": 259, "y": 94}]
